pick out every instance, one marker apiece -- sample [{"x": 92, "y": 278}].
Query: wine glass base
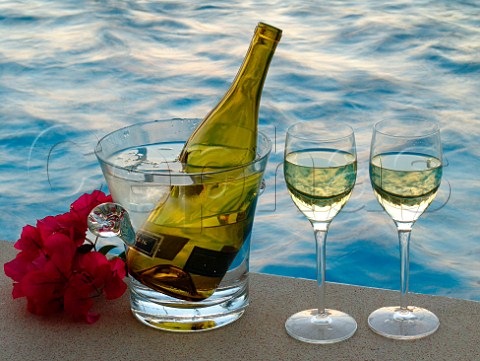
[
  {"x": 312, "y": 327},
  {"x": 410, "y": 324}
]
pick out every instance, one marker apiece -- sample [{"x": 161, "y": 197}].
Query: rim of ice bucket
[{"x": 259, "y": 158}]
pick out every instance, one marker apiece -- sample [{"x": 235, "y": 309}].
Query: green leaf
[
  {"x": 105, "y": 249},
  {"x": 85, "y": 248},
  {"x": 123, "y": 256}
]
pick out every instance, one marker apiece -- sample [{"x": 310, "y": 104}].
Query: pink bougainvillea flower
[
  {"x": 83, "y": 205},
  {"x": 94, "y": 274},
  {"x": 55, "y": 274},
  {"x": 78, "y": 302},
  {"x": 30, "y": 240},
  {"x": 115, "y": 287},
  {"x": 66, "y": 224},
  {"x": 42, "y": 281},
  {"x": 104, "y": 274},
  {"x": 60, "y": 251},
  {"x": 31, "y": 258},
  {"x": 44, "y": 290},
  {"x": 73, "y": 223},
  {"x": 17, "y": 268}
]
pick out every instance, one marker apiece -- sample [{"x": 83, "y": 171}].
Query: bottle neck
[
  {"x": 251, "y": 75},
  {"x": 227, "y": 136}
]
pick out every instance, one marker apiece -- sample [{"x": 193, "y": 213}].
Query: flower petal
[
  {"x": 40, "y": 284},
  {"x": 17, "y": 268},
  {"x": 66, "y": 223},
  {"x": 114, "y": 285},
  {"x": 83, "y": 205},
  {"x": 44, "y": 307},
  {"x": 61, "y": 250},
  {"x": 92, "y": 317},
  {"x": 30, "y": 240},
  {"x": 118, "y": 267},
  {"x": 17, "y": 291},
  {"x": 77, "y": 300},
  {"x": 114, "y": 288}
]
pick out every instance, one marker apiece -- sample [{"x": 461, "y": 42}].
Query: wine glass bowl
[
  {"x": 405, "y": 173},
  {"x": 320, "y": 171}
]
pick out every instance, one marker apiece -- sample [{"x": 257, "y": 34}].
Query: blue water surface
[{"x": 70, "y": 72}]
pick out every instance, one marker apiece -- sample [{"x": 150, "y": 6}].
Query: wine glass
[
  {"x": 320, "y": 170},
  {"x": 405, "y": 172}
]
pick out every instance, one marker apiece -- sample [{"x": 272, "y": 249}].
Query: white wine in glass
[
  {"x": 405, "y": 172},
  {"x": 320, "y": 170}
]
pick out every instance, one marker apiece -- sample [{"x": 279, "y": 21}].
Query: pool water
[{"x": 71, "y": 72}]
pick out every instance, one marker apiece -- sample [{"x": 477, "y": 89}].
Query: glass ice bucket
[{"x": 187, "y": 235}]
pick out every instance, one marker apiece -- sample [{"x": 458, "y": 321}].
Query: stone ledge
[{"x": 258, "y": 335}]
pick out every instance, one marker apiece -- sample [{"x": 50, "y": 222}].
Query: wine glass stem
[
  {"x": 404, "y": 240},
  {"x": 320, "y": 231}
]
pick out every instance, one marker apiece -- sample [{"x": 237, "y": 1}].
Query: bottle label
[
  {"x": 159, "y": 245},
  {"x": 206, "y": 262}
]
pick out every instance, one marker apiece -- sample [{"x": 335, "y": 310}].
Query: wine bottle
[
  {"x": 189, "y": 241},
  {"x": 227, "y": 136}
]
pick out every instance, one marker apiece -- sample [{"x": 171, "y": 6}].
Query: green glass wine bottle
[
  {"x": 189, "y": 241},
  {"x": 227, "y": 136}
]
